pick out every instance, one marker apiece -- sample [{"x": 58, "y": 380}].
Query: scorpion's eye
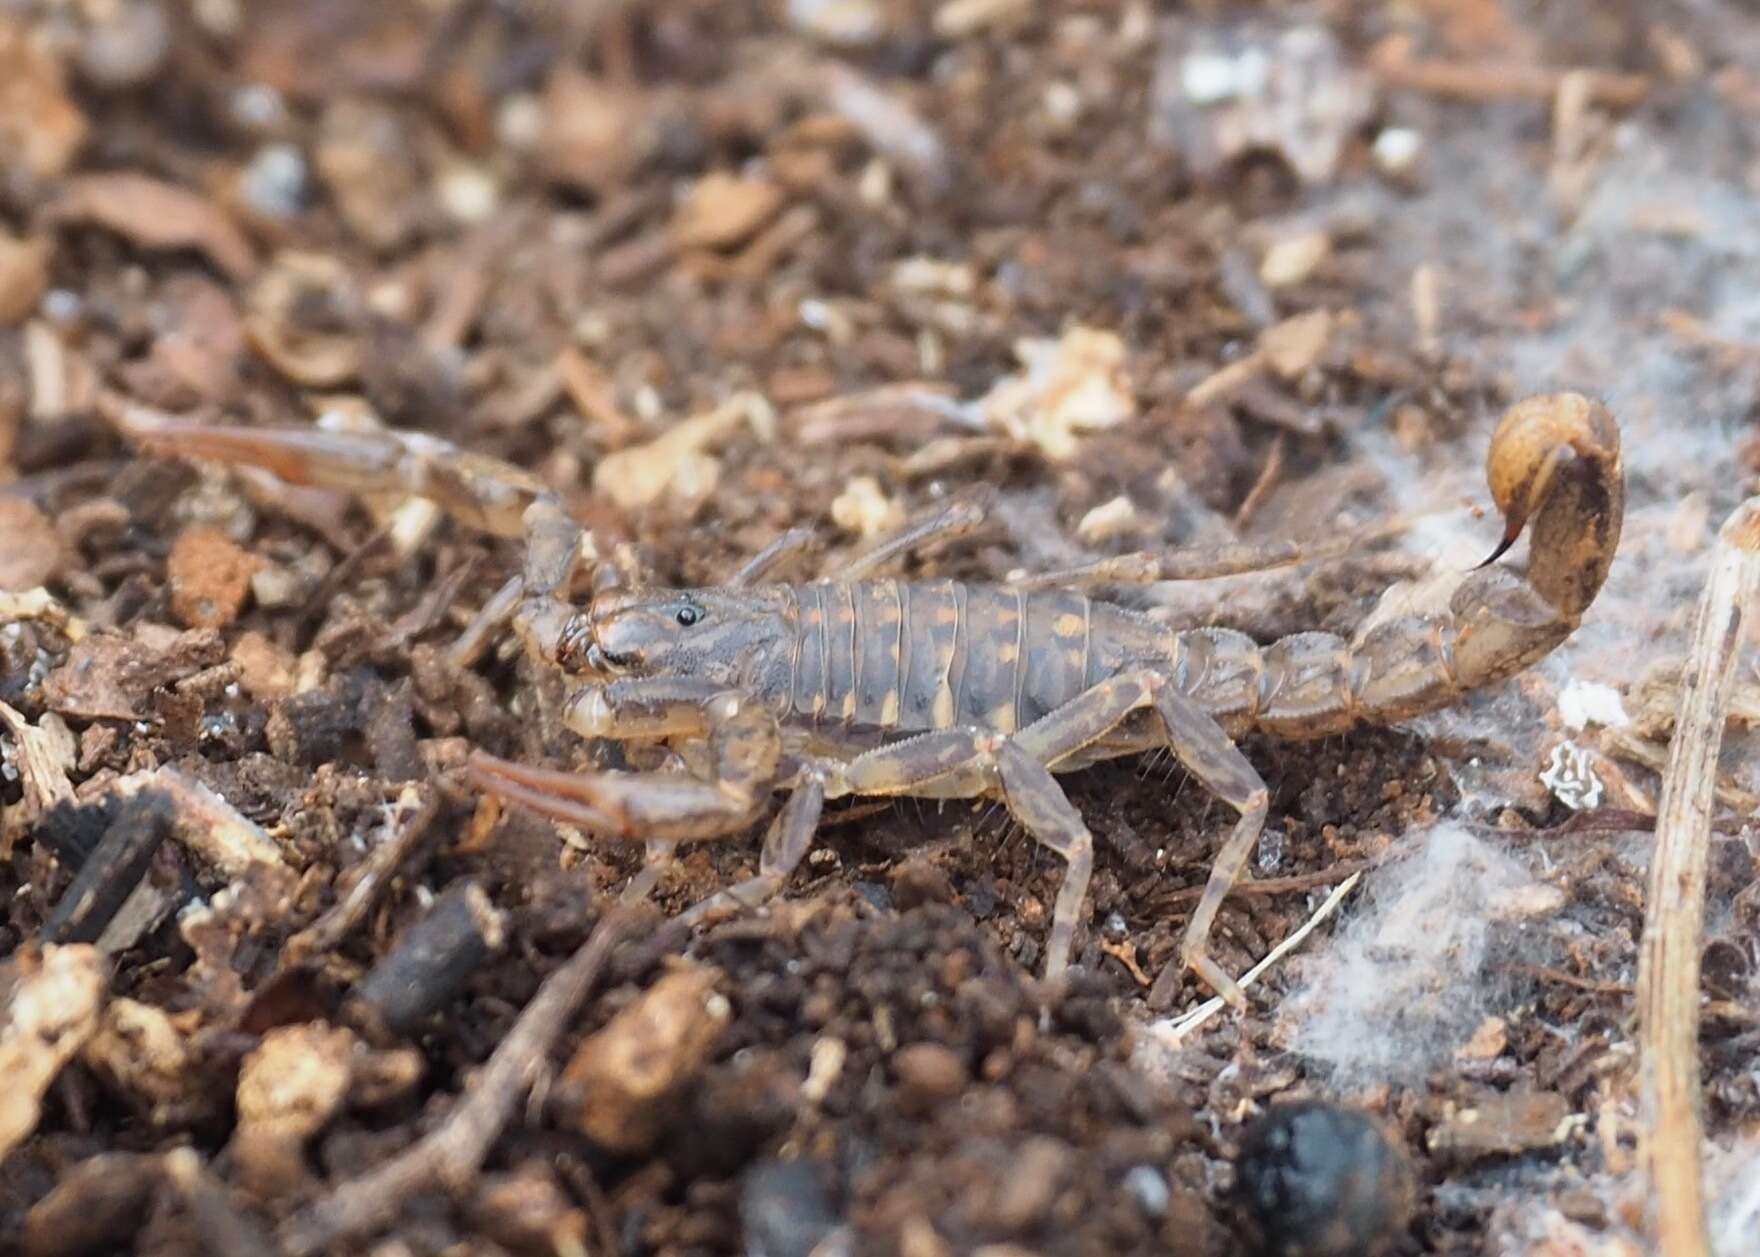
[{"x": 688, "y": 615}]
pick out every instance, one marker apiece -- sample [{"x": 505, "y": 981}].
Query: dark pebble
[
  {"x": 786, "y": 1210},
  {"x": 1316, "y": 1180}
]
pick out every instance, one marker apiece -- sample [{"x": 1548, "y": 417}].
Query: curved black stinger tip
[{"x": 1512, "y": 531}]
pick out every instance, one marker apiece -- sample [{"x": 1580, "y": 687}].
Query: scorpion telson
[{"x": 857, "y": 686}]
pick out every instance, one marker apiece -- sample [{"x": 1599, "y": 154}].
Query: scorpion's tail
[
  {"x": 1555, "y": 463},
  {"x": 1554, "y": 468}
]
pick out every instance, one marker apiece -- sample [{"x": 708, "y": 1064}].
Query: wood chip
[
  {"x": 206, "y": 823},
  {"x": 144, "y": 1055},
  {"x": 44, "y": 754},
  {"x": 1296, "y": 344},
  {"x": 210, "y": 577},
  {"x": 1070, "y": 386},
  {"x": 50, "y": 1001},
  {"x": 1503, "y": 1124},
  {"x": 296, "y": 1079},
  {"x": 32, "y": 553},
  {"x": 110, "y": 676},
  {"x": 722, "y": 210},
  {"x": 594, "y": 134},
  {"x": 156, "y": 216},
  {"x": 642, "y": 474},
  {"x": 24, "y": 276},
  {"x": 41, "y": 128},
  {"x": 863, "y": 508}
]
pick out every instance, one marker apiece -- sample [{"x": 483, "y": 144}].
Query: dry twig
[
  {"x": 451, "y": 1154},
  {"x": 1668, "y": 962},
  {"x": 1171, "y": 1033}
]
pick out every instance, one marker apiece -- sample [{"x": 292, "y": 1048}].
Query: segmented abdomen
[
  {"x": 908, "y": 658},
  {"x": 898, "y": 658}
]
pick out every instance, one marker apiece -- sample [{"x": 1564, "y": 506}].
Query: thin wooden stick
[
  {"x": 1173, "y": 1032},
  {"x": 450, "y": 1155},
  {"x": 1668, "y": 961}
]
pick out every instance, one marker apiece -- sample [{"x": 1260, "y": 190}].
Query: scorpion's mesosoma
[{"x": 857, "y": 686}]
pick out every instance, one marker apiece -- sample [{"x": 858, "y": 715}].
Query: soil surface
[{"x": 713, "y": 271}]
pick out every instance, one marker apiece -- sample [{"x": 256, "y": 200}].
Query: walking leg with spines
[
  {"x": 957, "y": 519},
  {"x": 1143, "y": 567},
  {"x": 790, "y": 545},
  {"x": 1201, "y": 745},
  {"x": 969, "y": 763},
  {"x": 785, "y": 845}
]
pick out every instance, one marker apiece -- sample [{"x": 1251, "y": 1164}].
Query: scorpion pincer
[{"x": 856, "y": 685}]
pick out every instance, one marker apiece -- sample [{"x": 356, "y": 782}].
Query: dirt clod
[
  {"x": 622, "y": 1082},
  {"x": 928, "y": 1075}
]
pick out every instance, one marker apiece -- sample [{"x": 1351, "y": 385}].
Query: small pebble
[
  {"x": 127, "y": 47},
  {"x": 62, "y": 306},
  {"x": 1316, "y": 1180},
  {"x": 1397, "y": 150},
  {"x": 842, "y": 23},
  {"x": 1148, "y": 1188},
  {"x": 257, "y": 107},
  {"x": 1294, "y": 258},
  {"x": 1107, "y": 520},
  {"x": 786, "y": 1210},
  {"x": 277, "y": 586},
  {"x": 265, "y": 670},
  {"x": 929, "y": 1075},
  {"x": 468, "y": 192},
  {"x": 275, "y": 183}
]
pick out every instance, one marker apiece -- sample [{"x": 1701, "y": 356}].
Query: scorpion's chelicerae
[{"x": 859, "y": 686}]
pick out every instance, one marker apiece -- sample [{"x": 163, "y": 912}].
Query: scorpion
[{"x": 858, "y": 685}]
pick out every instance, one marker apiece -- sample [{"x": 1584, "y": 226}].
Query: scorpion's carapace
[{"x": 857, "y": 686}]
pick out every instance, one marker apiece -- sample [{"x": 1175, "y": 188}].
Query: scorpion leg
[
  {"x": 1201, "y": 745},
  {"x": 789, "y": 545},
  {"x": 790, "y": 836},
  {"x": 956, "y": 519},
  {"x": 969, "y": 762},
  {"x": 484, "y": 492},
  {"x": 1144, "y": 567}
]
